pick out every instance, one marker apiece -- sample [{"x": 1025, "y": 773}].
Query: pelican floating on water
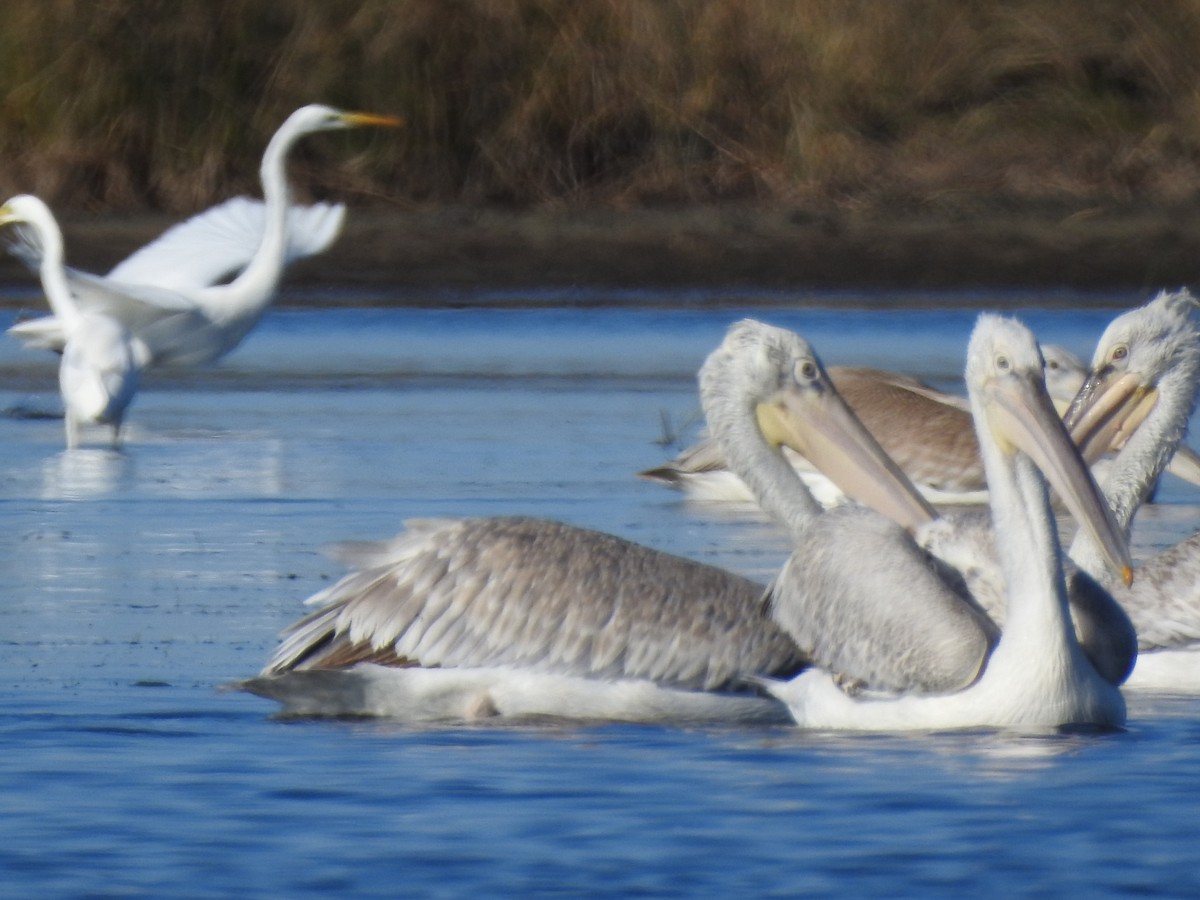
[
  {"x": 99, "y": 371},
  {"x": 1139, "y": 397},
  {"x": 929, "y": 433},
  {"x": 1037, "y": 674},
  {"x": 168, "y": 295},
  {"x": 505, "y": 616},
  {"x": 926, "y": 431}
]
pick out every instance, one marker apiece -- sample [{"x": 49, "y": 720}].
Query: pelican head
[
  {"x": 1065, "y": 375},
  {"x": 1005, "y": 380},
  {"x": 1144, "y": 354},
  {"x": 794, "y": 404}
]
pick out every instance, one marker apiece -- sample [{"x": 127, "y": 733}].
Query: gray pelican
[
  {"x": 927, "y": 432},
  {"x": 1037, "y": 675},
  {"x": 1139, "y": 397},
  {"x": 99, "y": 370},
  {"x": 508, "y": 616},
  {"x": 168, "y": 293}
]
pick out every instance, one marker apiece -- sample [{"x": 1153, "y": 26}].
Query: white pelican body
[
  {"x": 99, "y": 371},
  {"x": 528, "y": 616},
  {"x": 1037, "y": 675},
  {"x": 167, "y": 294},
  {"x": 418, "y": 694},
  {"x": 1139, "y": 397}
]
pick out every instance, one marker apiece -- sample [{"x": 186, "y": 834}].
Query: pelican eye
[
  {"x": 806, "y": 370},
  {"x": 1002, "y": 364},
  {"x": 1119, "y": 353}
]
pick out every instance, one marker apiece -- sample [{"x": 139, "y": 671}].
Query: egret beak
[
  {"x": 1106, "y": 411},
  {"x": 357, "y": 119},
  {"x": 7, "y": 216},
  {"x": 1022, "y": 417},
  {"x": 816, "y": 423}
]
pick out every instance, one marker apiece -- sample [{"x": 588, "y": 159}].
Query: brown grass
[{"x": 944, "y": 105}]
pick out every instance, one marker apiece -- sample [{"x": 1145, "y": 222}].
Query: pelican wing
[
  {"x": 540, "y": 595},
  {"x": 221, "y": 241},
  {"x": 856, "y": 379},
  {"x": 867, "y": 604},
  {"x": 703, "y": 456},
  {"x": 1164, "y": 601},
  {"x": 928, "y": 433}
]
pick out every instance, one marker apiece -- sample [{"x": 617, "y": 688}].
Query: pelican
[
  {"x": 1139, "y": 396},
  {"x": 927, "y": 432},
  {"x": 1037, "y": 675},
  {"x": 513, "y": 616},
  {"x": 1065, "y": 374},
  {"x": 901, "y": 412},
  {"x": 168, "y": 293},
  {"x": 98, "y": 373}
]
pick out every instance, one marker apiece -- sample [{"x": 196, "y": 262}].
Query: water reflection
[
  {"x": 183, "y": 466},
  {"x": 199, "y": 541},
  {"x": 86, "y": 473}
]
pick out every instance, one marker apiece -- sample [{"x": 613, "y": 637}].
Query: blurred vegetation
[{"x": 868, "y": 105}]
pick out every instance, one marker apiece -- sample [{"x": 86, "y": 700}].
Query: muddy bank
[{"x": 438, "y": 256}]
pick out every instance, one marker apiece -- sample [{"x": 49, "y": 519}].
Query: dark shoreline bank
[{"x": 435, "y": 258}]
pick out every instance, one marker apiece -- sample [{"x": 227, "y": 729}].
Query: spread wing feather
[
  {"x": 220, "y": 242},
  {"x": 540, "y": 595}
]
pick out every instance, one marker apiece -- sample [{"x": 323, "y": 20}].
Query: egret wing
[{"x": 219, "y": 242}]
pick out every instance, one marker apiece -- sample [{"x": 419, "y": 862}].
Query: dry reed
[{"x": 861, "y": 104}]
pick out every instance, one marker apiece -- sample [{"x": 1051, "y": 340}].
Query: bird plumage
[
  {"x": 1037, "y": 674},
  {"x": 170, "y": 294},
  {"x": 99, "y": 372},
  {"x": 524, "y": 598}
]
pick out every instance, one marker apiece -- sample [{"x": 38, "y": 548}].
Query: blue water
[{"x": 136, "y": 583}]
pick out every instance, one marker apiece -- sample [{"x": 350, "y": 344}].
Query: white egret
[
  {"x": 98, "y": 373},
  {"x": 168, "y": 293}
]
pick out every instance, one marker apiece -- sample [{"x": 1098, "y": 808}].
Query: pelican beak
[
  {"x": 1022, "y": 417},
  {"x": 1185, "y": 464},
  {"x": 816, "y": 422},
  {"x": 1106, "y": 411},
  {"x": 358, "y": 119}
]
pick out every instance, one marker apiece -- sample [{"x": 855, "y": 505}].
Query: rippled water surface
[{"x": 136, "y": 583}]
